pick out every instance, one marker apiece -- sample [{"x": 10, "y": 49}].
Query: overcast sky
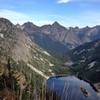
[{"x": 67, "y": 12}]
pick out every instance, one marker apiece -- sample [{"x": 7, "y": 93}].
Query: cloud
[
  {"x": 89, "y": 17},
  {"x": 18, "y": 17},
  {"x": 63, "y": 1},
  {"x": 78, "y": 1},
  {"x": 86, "y": 18},
  {"x": 14, "y": 16}
]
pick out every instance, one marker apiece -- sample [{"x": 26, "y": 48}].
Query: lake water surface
[{"x": 69, "y": 88}]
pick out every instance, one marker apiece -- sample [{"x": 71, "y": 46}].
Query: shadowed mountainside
[{"x": 86, "y": 61}]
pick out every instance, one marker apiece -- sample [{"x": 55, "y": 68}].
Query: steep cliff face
[
  {"x": 7, "y": 37},
  {"x": 13, "y": 41}
]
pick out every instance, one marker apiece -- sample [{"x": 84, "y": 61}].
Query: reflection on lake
[{"x": 69, "y": 88}]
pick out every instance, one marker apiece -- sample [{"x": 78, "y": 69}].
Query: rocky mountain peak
[
  {"x": 6, "y": 21},
  {"x": 55, "y": 24},
  {"x": 18, "y": 26},
  {"x": 5, "y": 24},
  {"x": 58, "y": 26},
  {"x": 30, "y": 27}
]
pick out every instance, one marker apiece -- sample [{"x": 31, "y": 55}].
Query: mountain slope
[
  {"x": 13, "y": 41},
  {"x": 44, "y": 40},
  {"x": 16, "y": 44},
  {"x": 57, "y": 36},
  {"x": 86, "y": 60}
]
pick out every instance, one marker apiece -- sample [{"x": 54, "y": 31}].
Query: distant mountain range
[{"x": 58, "y": 39}]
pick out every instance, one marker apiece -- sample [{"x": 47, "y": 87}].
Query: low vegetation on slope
[{"x": 86, "y": 60}]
